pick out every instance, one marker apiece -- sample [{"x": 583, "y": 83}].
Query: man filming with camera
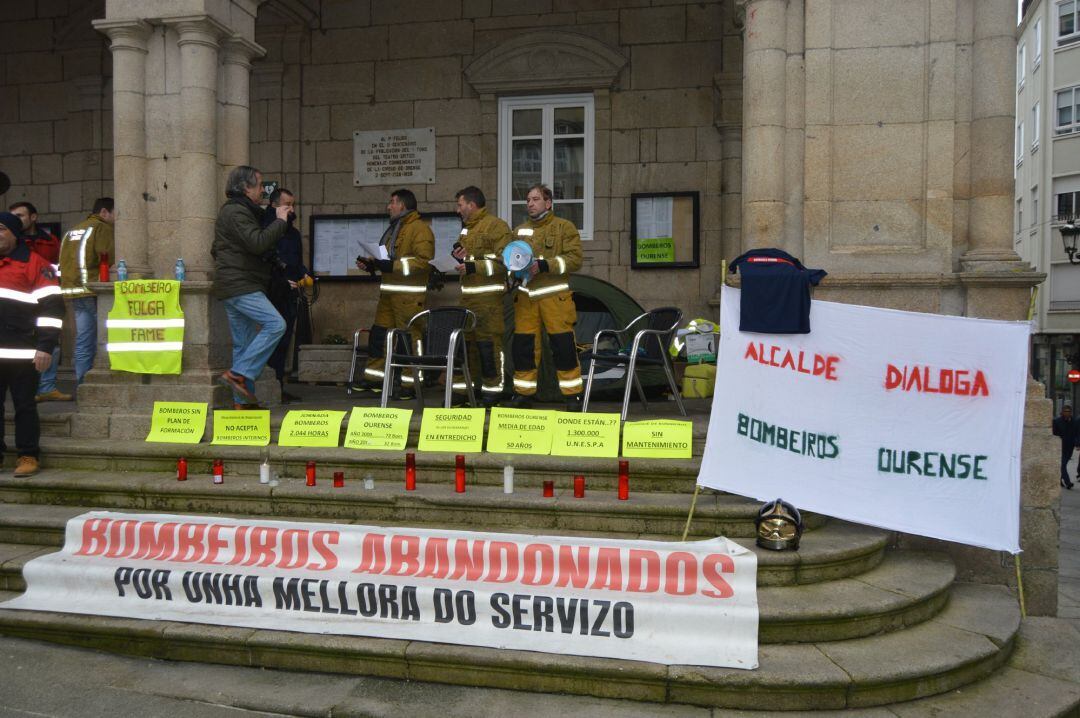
[{"x": 244, "y": 254}]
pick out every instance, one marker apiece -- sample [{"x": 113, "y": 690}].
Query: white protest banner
[
  {"x": 673, "y": 603},
  {"x": 906, "y": 421}
]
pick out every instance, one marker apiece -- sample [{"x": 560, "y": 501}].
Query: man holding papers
[{"x": 406, "y": 247}]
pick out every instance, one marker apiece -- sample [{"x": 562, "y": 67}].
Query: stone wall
[
  {"x": 386, "y": 65},
  {"x": 55, "y": 116}
]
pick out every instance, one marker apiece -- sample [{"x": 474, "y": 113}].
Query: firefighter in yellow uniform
[
  {"x": 483, "y": 284},
  {"x": 545, "y": 301},
  {"x": 410, "y": 245}
]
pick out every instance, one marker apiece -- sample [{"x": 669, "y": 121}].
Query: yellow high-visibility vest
[{"x": 146, "y": 327}]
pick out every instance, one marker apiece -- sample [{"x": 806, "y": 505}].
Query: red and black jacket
[
  {"x": 43, "y": 244},
  {"x": 31, "y": 308}
]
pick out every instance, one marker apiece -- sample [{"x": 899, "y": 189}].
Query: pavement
[{"x": 1069, "y": 557}]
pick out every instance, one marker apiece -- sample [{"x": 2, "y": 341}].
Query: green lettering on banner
[
  {"x": 310, "y": 428},
  {"x": 459, "y": 431},
  {"x": 242, "y": 428},
  {"x": 591, "y": 434},
  {"x": 932, "y": 464},
  {"x": 655, "y": 249},
  {"x": 785, "y": 438},
  {"x": 177, "y": 422},
  {"x": 375, "y": 428},
  {"x": 658, "y": 439},
  {"x": 519, "y": 431}
]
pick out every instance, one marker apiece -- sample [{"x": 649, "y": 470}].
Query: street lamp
[{"x": 1069, "y": 233}]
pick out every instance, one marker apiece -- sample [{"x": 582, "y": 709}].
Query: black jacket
[
  {"x": 240, "y": 248},
  {"x": 1067, "y": 430}
]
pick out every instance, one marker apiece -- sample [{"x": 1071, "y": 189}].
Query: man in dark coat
[
  {"x": 1065, "y": 427},
  {"x": 241, "y": 278}
]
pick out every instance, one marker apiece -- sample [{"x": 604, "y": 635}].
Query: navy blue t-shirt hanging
[{"x": 775, "y": 292}]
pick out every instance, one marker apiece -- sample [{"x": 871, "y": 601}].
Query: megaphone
[{"x": 516, "y": 257}]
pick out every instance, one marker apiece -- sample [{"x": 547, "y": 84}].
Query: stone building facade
[{"x": 869, "y": 137}]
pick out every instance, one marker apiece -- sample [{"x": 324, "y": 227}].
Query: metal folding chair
[
  {"x": 442, "y": 346},
  {"x": 649, "y": 347},
  {"x": 356, "y": 353}
]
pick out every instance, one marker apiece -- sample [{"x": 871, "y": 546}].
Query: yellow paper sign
[
  {"x": 658, "y": 439},
  {"x": 519, "y": 431},
  {"x": 177, "y": 422},
  {"x": 242, "y": 428},
  {"x": 460, "y": 431},
  {"x": 591, "y": 434},
  {"x": 373, "y": 428},
  {"x": 310, "y": 428}
]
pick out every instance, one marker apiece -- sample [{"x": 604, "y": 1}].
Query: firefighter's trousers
[
  {"x": 394, "y": 310},
  {"x": 556, "y": 315},
  {"x": 486, "y": 342}
]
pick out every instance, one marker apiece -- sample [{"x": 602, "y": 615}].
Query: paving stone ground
[{"x": 1069, "y": 557}]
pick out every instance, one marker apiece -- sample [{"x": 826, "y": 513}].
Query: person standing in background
[
  {"x": 1065, "y": 427},
  {"x": 288, "y": 271}
]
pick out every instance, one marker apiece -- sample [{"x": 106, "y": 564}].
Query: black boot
[
  {"x": 573, "y": 402},
  {"x": 518, "y": 401}
]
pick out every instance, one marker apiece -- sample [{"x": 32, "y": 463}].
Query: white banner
[
  {"x": 673, "y": 603},
  {"x": 906, "y": 421}
]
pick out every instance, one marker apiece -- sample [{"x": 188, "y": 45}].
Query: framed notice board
[
  {"x": 664, "y": 230},
  {"x": 336, "y": 238}
]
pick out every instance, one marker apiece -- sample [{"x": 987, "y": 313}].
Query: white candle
[
  {"x": 264, "y": 472},
  {"x": 508, "y": 480},
  {"x": 369, "y": 482}
]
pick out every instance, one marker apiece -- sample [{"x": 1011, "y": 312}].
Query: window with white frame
[
  {"x": 1035, "y": 117},
  {"x": 1036, "y": 55},
  {"x": 1067, "y": 21},
  {"x": 1066, "y": 205},
  {"x": 1035, "y": 206},
  {"x": 1021, "y": 65},
  {"x": 549, "y": 140},
  {"x": 1067, "y": 117},
  {"x": 1019, "y": 142},
  {"x": 1019, "y": 213}
]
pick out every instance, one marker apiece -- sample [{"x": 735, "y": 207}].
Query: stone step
[
  {"x": 834, "y": 551},
  {"x": 481, "y": 507},
  {"x": 646, "y": 475},
  {"x": 905, "y": 589},
  {"x": 968, "y": 640}
]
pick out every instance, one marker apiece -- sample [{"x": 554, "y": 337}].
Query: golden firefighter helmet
[{"x": 779, "y": 526}]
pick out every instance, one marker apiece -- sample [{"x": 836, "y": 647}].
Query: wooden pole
[
  {"x": 693, "y": 505},
  {"x": 1020, "y": 587}
]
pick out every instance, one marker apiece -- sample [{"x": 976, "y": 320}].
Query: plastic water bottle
[
  {"x": 121, "y": 271},
  {"x": 179, "y": 270}
]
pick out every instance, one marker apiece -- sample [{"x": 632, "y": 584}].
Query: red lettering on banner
[
  {"x": 372, "y": 554},
  {"x": 294, "y": 548},
  {"x": 121, "y": 538},
  {"x": 571, "y": 571},
  {"x": 214, "y": 543},
  {"x": 157, "y": 545},
  {"x": 190, "y": 543},
  {"x": 643, "y": 575},
  {"x": 822, "y": 365},
  {"x": 436, "y": 559},
  {"x": 95, "y": 537},
  {"x": 263, "y": 543},
  {"x": 404, "y": 556},
  {"x": 468, "y": 560},
  {"x": 321, "y": 541},
  {"x": 709, "y": 569},
  {"x": 923, "y": 380},
  {"x": 608, "y": 569},
  {"x": 500, "y": 554},
  {"x": 680, "y": 565},
  {"x": 240, "y": 550},
  {"x": 538, "y": 565}
]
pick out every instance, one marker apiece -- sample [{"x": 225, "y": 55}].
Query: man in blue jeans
[
  {"x": 83, "y": 248},
  {"x": 244, "y": 255}
]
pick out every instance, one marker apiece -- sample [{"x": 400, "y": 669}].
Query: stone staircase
[{"x": 846, "y": 622}]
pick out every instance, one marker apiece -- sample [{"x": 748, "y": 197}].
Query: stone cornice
[
  {"x": 198, "y": 30},
  {"x": 240, "y": 51},
  {"x": 125, "y": 34},
  {"x": 903, "y": 280},
  {"x": 536, "y": 61}
]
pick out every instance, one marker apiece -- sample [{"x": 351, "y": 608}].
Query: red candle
[
  {"x": 624, "y": 480},
  {"x": 579, "y": 487},
  {"x": 549, "y": 489},
  {"x": 311, "y": 473},
  {"x": 103, "y": 267},
  {"x": 339, "y": 479},
  {"x": 410, "y": 472},
  {"x": 181, "y": 469},
  {"x": 219, "y": 471},
  {"x": 459, "y": 474}
]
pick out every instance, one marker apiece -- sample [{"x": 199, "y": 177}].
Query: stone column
[
  {"x": 198, "y": 42},
  {"x": 764, "y": 122},
  {"x": 731, "y": 191},
  {"x": 236, "y": 102},
  {"x": 993, "y": 57},
  {"x": 795, "y": 124},
  {"x": 129, "y": 49}
]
